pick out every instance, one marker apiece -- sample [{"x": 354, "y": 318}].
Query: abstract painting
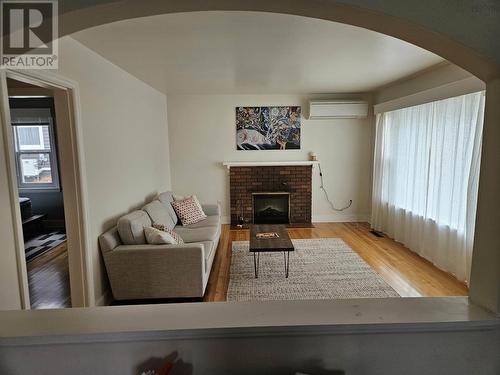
[{"x": 268, "y": 128}]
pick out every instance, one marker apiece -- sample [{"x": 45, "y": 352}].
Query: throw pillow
[
  {"x": 157, "y": 237},
  {"x": 188, "y": 211},
  {"x": 164, "y": 228},
  {"x": 183, "y": 197}
]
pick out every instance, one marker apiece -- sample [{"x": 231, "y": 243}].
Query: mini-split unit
[{"x": 332, "y": 109}]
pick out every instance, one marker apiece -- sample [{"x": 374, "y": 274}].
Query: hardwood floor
[
  {"x": 409, "y": 274},
  {"x": 48, "y": 279}
]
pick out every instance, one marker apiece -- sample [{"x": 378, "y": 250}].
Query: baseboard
[
  {"x": 331, "y": 218},
  {"x": 341, "y": 218}
]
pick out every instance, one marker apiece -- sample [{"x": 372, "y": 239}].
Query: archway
[
  {"x": 406, "y": 23},
  {"x": 485, "y": 273},
  {"x": 100, "y": 12}
]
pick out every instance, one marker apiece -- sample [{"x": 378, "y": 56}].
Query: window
[
  {"x": 30, "y": 137},
  {"x": 34, "y": 141},
  {"x": 426, "y": 175}
]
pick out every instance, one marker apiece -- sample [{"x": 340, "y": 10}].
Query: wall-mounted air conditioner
[{"x": 328, "y": 109}]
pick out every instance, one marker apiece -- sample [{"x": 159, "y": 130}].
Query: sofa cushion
[
  {"x": 159, "y": 214},
  {"x": 167, "y": 198},
  {"x": 197, "y": 234},
  {"x": 210, "y": 221},
  {"x": 131, "y": 227}
]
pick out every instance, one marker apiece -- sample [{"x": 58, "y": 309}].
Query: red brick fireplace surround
[{"x": 293, "y": 179}]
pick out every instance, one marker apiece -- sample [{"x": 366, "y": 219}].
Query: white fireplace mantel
[{"x": 229, "y": 164}]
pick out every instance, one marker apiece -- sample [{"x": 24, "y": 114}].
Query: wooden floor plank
[
  {"x": 48, "y": 279},
  {"x": 409, "y": 274}
]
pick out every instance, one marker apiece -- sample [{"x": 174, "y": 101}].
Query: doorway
[
  {"x": 47, "y": 194},
  {"x": 35, "y": 143}
]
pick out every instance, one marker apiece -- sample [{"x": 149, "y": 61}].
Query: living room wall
[
  {"x": 202, "y": 136},
  {"x": 125, "y": 141},
  {"x": 126, "y": 149}
]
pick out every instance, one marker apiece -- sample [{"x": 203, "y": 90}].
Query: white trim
[
  {"x": 331, "y": 218},
  {"x": 17, "y": 226},
  {"x": 105, "y": 299},
  {"x": 229, "y": 164},
  {"x": 84, "y": 296},
  {"x": 448, "y": 90},
  {"x": 82, "y": 178},
  {"x": 341, "y": 218}
]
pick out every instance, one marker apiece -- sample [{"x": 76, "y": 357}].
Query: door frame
[{"x": 72, "y": 179}]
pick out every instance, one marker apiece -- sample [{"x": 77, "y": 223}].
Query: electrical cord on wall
[{"x": 326, "y": 194}]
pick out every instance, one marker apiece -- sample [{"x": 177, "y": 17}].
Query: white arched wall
[
  {"x": 436, "y": 28},
  {"x": 485, "y": 275}
]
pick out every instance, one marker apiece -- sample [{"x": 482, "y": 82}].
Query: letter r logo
[{"x": 27, "y": 27}]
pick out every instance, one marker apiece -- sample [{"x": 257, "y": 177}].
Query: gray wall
[
  {"x": 50, "y": 203},
  {"x": 427, "y": 351}
]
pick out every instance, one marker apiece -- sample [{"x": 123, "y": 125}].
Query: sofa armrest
[
  {"x": 211, "y": 209},
  {"x": 156, "y": 271},
  {"x": 160, "y": 257}
]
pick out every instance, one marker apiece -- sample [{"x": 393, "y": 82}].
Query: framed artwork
[{"x": 268, "y": 128}]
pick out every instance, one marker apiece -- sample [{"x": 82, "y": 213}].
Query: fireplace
[
  {"x": 271, "y": 207},
  {"x": 293, "y": 180}
]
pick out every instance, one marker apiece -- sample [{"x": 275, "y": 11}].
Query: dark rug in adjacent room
[{"x": 43, "y": 243}]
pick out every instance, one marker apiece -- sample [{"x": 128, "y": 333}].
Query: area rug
[
  {"x": 39, "y": 245},
  {"x": 323, "y": 268}
]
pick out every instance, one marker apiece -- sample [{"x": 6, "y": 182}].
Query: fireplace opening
[{"x": 271, "y": 208}]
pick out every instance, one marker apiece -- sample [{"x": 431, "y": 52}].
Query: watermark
[{"x": 29, "y": 34}]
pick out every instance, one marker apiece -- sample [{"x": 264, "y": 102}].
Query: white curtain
[{"x": 426, "y": 173}]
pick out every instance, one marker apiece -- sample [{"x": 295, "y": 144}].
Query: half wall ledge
[{"x": 226, "y": 319}]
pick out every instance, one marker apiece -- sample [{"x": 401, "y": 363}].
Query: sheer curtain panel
[{"x": 426, "y": 173}]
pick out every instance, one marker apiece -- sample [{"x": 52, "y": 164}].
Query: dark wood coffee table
[{"x": 262, "y": 245}]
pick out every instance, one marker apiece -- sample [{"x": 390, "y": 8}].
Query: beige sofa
[{"x": 137, "y": 270}]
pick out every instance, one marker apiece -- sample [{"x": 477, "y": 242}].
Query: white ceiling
[{"x": 254, "y": 53}]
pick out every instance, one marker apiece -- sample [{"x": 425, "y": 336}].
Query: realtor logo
[{"x": 29, "y": 34}]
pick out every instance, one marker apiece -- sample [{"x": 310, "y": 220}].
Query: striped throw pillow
[{"x": 174, "y": 235}]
